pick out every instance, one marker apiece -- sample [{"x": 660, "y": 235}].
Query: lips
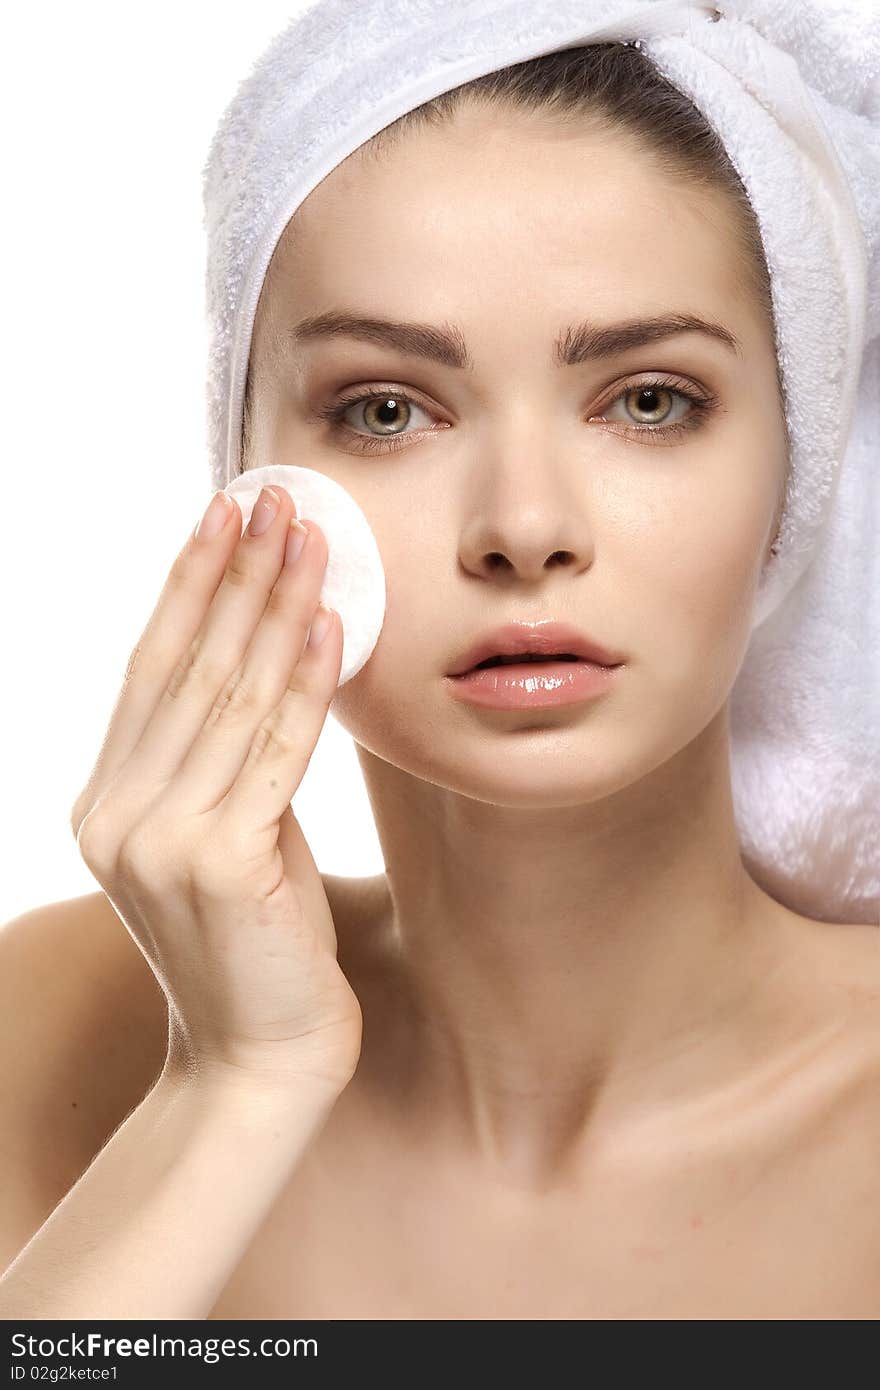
[
  {"x": 533, "y": 641},
  {"x": 523, "y": 658}
]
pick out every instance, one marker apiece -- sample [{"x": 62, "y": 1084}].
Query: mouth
[
  {"x": 549, "y": 644},
  {"x": 532, "y": 681},
  {"x": 522, "y": 658}
]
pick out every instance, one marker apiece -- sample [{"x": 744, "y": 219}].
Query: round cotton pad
[{"x": 354, "y": 580}]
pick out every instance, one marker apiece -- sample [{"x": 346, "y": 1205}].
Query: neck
[{"x": 565, "y": 970}]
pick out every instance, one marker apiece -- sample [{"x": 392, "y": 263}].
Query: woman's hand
[{"x": 186, "y": 820}]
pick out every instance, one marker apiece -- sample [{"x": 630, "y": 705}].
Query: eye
[
  {"x": 384, "y": 413},
  {"x": 650, "y": 412},
  {"x": 651, "y": 405}
]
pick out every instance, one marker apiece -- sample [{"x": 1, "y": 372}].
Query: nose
[
  {"x": 528, "y": 505},
  {"x": 526, "y": 561},
  {"x": 524, "y": 546}
]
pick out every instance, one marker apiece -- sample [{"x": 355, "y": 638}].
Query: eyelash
[{"x": 703, "y": 406}]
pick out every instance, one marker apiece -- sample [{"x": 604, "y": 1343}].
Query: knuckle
[
  {"x": 240, "y": 572},
  {"x": 195, "y": 667},
  {"x": 77, "y": 816},
  {"x": 184, "y": 582},
  {"x": 88, "y": 798},
  {"x": 96, "y": 840},
  {"x": 274, "y": 740},
  {"x": 238, "y": 698},
  {"x": 278, "y": 601}
]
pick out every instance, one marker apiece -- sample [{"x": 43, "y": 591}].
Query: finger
[
  {"x": 270, "y": 669},
  {"x": 173, "y": 624},
  {"x": 279, "y": 754},
  {"x": 209, "y": 669}
]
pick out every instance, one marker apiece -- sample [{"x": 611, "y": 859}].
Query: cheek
[
  {"x": 403, "y": 721},
  {"x": 695, "y": 574},
  {"x": 417, "y": 636}
]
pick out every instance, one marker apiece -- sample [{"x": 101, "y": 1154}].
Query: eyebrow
[{"x": 578, "y": 343}]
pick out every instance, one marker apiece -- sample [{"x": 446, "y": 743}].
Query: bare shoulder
[
  {"x": 83, "y": 1037},
  {"x": 76, "y": 979},
  {"x": 84, "y": 1023}
]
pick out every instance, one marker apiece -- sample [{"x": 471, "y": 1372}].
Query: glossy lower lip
[{"x": 532, "y": 684}]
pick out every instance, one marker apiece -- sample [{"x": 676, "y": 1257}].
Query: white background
[{"x": 107, "y": 112}]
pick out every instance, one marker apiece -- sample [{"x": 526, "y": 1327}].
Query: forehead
[{"x": 494, "y": 205}]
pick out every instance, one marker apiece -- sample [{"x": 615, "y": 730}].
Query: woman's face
[{"x": 521, "y": 487}]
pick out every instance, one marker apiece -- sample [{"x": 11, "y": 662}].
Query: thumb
[{"x": 302, "y": 873}]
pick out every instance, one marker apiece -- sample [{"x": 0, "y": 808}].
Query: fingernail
[
  {"x": 215, "y": 516},
  {"x": 296, "y": 539},
  {"x": 320, "y": 625},
  {"x": 265, "y": 511}
]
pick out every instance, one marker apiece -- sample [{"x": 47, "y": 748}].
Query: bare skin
[
  {"x": 603, "y": 1074},
  {"x": 756, "y": 1200}
]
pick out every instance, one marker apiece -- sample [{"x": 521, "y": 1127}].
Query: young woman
[{"x": 565, "y": 1058}]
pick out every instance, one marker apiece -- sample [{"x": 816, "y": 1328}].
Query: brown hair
[{"x": 617, "y": 85}]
